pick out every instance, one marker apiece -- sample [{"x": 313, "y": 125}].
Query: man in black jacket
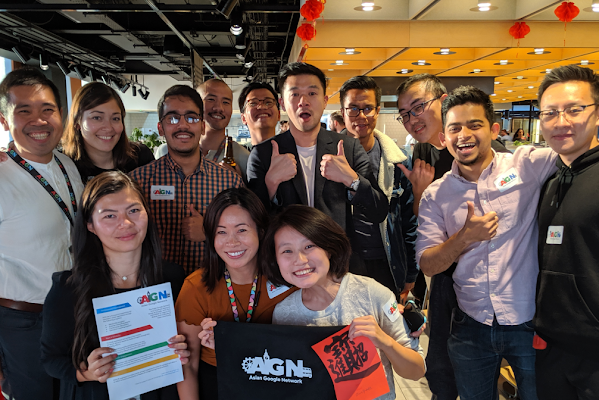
[{"x": 567, "y": 315}]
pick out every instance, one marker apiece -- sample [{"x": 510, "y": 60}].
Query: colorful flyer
[
  {"x": 354, "y": 366},
  {"x": 138, "y": 324}
]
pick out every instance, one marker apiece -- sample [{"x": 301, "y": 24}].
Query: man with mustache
[
  {"x": 259, "y": 106},
  {"x": 479, "y": 217},
  {"x": 218, "y": 108},
  {"x": 39, "y": 189},
  {"x": 310, "y": 165},
  {"x": 180, "y": 185}
]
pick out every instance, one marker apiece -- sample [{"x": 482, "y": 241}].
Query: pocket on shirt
[{"x": 511, "y": 204}]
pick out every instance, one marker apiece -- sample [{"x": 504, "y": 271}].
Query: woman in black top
[
  {"x": 95, "y": 135},
  {"x": 115, "y": 249}
]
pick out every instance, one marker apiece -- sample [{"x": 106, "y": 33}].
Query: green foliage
[{"x": 152, "y": 140}]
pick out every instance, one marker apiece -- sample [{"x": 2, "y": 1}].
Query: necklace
[
  {"x": 124, "y": 277},
  {"x": 234, "y": 299}
]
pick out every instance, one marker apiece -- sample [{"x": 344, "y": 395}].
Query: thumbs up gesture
[
  {"x": 336, "y": 168},
  {"x": 478, "y": 229},
  {"x": 282, "y": 166},
  {"x": 193, "y": 226}
]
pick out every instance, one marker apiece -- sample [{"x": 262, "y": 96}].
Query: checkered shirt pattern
[{"x": 198, "y": 189}]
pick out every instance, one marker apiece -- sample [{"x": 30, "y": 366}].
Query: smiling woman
[{"x": 95, "y": 135}]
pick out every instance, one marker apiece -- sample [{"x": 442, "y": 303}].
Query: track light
[
  {"x": 225, "y": 7},
  {"x": 236, "y": 21},
  {"x": 78, "y": 72},
  {"x": 251, "y": 74},
  {"x": 93, "y": 75},
  {"x": 249, "y": 61},
  {"x": 144, "y": 96},
  {"x": 44, "y": 61},
  {"x": 240, "y": 42},
  {"x": 135, "y": 90},
  {"x": 63, "y": 67},
  {"x": 105, "y": 79},
  {"x": 125, "y": 87},
  {"x": 19, "y": 53}
]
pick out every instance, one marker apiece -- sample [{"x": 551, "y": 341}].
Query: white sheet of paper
[{"x": 138, "y": 324}]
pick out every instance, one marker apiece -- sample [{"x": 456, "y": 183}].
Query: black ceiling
[{"x": 124, "y": 38}]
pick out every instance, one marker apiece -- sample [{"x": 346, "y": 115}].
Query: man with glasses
[
  {"x": 387, "y": 249},
  {"x": 180, "y": 185},
  {"x": 477, "y": 217},
  {"x": 567, "y": 314},
  {"x": 218, "y": 108},
  {"x": 419, "y": 100},
  {"x": 259, "y": 106}
]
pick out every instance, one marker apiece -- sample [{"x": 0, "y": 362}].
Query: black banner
[{"x": 259, "y": 361}]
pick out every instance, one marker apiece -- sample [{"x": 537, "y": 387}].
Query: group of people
[{"x": 330, "y": 230}]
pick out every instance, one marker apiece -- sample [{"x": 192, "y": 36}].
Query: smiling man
[
  {"x": 259, "y": 106},
  {"x": 567, "y": 300},
  {"x": 39, "y": 189},
  {"x": 180, "y": 185},
  {"x": 218, "y": 108},
  {"x": 479, "y": 216},
  {"x": 310, "y": 165}
]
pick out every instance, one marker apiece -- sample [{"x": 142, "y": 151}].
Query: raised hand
[
  {"x": 207, "y": 334},
  {"x": 193, "y": 226},
  {"x": 336, "y": 168},
  {"x": 478, "y": 229},
  {"x": 421, "y": 175},
  {"x": 368, "y": 327},
  {"x": 283, "y": 167}
]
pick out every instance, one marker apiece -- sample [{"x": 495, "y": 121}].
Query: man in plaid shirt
[{"x": 180, "y": 185}]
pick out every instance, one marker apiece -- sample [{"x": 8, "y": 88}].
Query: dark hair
[
  {"x": 337, "y": 116},
  {"x": 90, "y": 96},
  {"x": 180, "y": 90},
  {"x": 300, "y": 68},
  {"x": 432, "y": 85},
  {"x": 214, "y": 266},
  {"x": 568, "y": 73},
  {"x": 317, "y": 227},
  {"x": 255, "y": 86},
  {"x": 91, "y": 276},
  {"x": 360, "y": 83},
  {"x": 26, "y": 76},
  {"x": 468, "y": 95}
]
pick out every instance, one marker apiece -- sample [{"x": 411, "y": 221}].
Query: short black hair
[
  {"x": 255, "y": 86},
  {"x": 317, "y": 227},
  {"x": 180, "y": 90},
  {"x": 432, "y": 84},
  {"x": 300, "y": 68},
  {"x": 568, "y": 73},
  {"x": 26, "y": 76},
  {"x": 360, "y": 83},
  {"x": 468, "y": 95}
]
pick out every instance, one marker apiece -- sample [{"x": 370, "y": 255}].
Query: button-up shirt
[
  {"x": 169, "y": 192},
  {"x": 494, "y": 277}
]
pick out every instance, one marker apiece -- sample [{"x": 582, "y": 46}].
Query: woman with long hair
[
  {"x": 519, "y": 135},
  {"x": 95, "y": 137},
  {"x": 115, "y": 249},
  {"x": 234, "y": 224},
  {"x": 305, "y": 248}
]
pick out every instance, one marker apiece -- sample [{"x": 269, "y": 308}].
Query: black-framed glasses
[
  {"x": 415, "y": 111},
  {"x": 570, "y": 113},
  {"x": 174, "y": 119},
  {"x": 355, "y": 111},
  {"x": 266, "y": 103}
]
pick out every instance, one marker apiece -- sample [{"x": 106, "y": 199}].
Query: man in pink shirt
[{"x": 481, "y": 214}]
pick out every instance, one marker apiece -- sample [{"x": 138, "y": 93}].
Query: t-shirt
[
  {"x": 358, "y": 296},
  {"x": 143, "y": 156},
  {"x": 307, "y": 158},
  {"x": 195, "y": 303}
]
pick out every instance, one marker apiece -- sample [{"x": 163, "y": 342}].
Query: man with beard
[
  {"x": 180, "y": 185},
  {"x": 310, "y": 165},
  {"x": 38, "y": 203},
  {"x": 259, "y": 106},
  {"x": 479, "y": 216},
  {"x": 218, "y": 108}
]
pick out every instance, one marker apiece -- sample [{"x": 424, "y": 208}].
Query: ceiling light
[
  {"x": 405, "y": 71},
  {"x": 483, "y": 5},
  {"x": 539, "y": 51},
  {"x": 509, "y": 90},
  {"x": 583, "y": 62},
  {"x": 368, "y": 4},
  {"x": 63, "y": 67},
  {"x": 595, "y": 6},
  {"x": 520, "y": 97},
  {"x": 548, "y": 70},
  {"x": 225, "y": 7},
  {"x": 144, "y": 96},
  {"x": 339, "y": 62},
  {"x": 236, "y": 21},
  {"x": 20, "y": 54},
  {"x": 493, "y": 94},
  {"x": 444, "y": 51},
  {"x": 497, "y": 83},
  {"x": 519, "y": 77},
  {"x": 125, "y": 87},
  {"x": 236, "y": 30},
  {"x": 240, "y": 42},
  {"x": 135, "y": 90},
  {"x": 477, "y": 71},
  {"x": 251, "y": 74},
  {"x": 531, "y": 87},
  {"x": 503, "y": 62},
  {"x": 240, "y": 56},
  {"x": 44, "y": 61},
  {"x": 421, "y": 62},
  {"x": 331, "y": 69},
  {"x": 367, "y": 8},
  {"x": 504, "y": 99},
  {"x": 349, "y": 51},
  {"x": 249, "y": 61}
]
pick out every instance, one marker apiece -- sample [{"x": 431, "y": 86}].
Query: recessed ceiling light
[
  {"x": 585, "y": 62},
  {"x": 531, "y": 87},
  {"x": 497, "y": 83},
  {"x": 483, "y": 5},
  {"x": 519, "y": 77},
  {"x": 548, "y": 70},
  {"x": 368, "y": 4},
  {"x": 539, "y": 51},
  {"x": 493, "y": 94},
  {"x": 421, "y": 62},
  {"x": 504, "y": 99},
  {"x": 339, "y": 62},
  {"x": 520, "y": 97},
  {"x": 350, "y": 52},
  {"x": 476, "y": 71},
  {"x": 331, "y": 69},
  {"x": 405, "y": 71},
  {"x": 444, "y": 52},
  {"x": 509, "y": 90}
]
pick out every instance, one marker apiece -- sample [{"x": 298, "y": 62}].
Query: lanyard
[
  {"x": 46, "y": 185},
  {"x": 233, "y": 298}
]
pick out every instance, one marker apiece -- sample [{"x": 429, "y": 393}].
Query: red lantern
[
  {"x": 312, "y": 9},
  {"x": 519, "y": 30},
  {"x": 566, "y": 12},
  {"x": 306, "y": 32}
]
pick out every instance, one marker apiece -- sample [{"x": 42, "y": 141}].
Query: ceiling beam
[{"x": 140, "y": 8}]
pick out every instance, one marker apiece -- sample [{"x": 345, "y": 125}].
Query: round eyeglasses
[
  {"x": 266, "y": 103},
  {"x": 174, "y": 119}
]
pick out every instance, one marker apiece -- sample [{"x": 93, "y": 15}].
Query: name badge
[
  {"x": 507, "y": 180},
  {"x": 273, "y": 291},
  {"x": 390, "y": 309},
  {"x": 162, "y": 192},
  {"x": 555, "y": 235}
]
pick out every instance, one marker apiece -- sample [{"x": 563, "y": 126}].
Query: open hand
[{"x": 421, "y": 175}]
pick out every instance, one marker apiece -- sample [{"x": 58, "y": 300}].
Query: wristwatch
[{"x": 354, "y": 185}]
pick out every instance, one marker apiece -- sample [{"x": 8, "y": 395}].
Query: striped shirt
[{"x": 169, "y": 191}]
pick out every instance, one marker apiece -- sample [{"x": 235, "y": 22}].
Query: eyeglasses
[
  {"x": 266, "y": 103},
  {"x": 355, "y": 111},
  {"x": 174, "y": 119},
  {"x": 415, "y": 111},
  {"x": 570, "y": 113}
]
